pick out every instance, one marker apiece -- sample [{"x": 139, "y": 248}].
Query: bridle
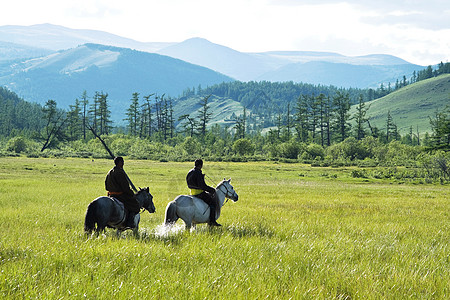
[
  {"x": 143, "y": 209},
  {"x": 227, "y": 194}
]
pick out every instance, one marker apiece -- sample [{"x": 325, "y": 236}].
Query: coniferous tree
[
  {"x": 289, "y": 124},
  {"x": 160, "y": 114},
  {"x": 341, "y": 115},
  {"x": 313, "y": 116},
  {"x": 147, "y": 115},
  {"x": 84, "y": 112},
  {"x": 94, "y": 112},
  {"x": 240, "y": 125},
  {"x": 133, "y": 115},
  {"x": 170, "y": 119},
  {"x": 74, "y": 122},
  {"x": 301, "y": 118},
  {"x": 279, "y": 123},
  {"x": 391, "y": 129},
  {"x": 165, "y": 119},
  {"x": 190, "y": 125},
  {"x": 321, "y": 104},
  {"x": 360, "y": 118},
  {"x": 53, "y": 131},
  {"x": 104, "y": 114},
  {"x": 204, "y": 115},
  {"x": 440, "y": 126},
  {"x": 327, "y": 120}
]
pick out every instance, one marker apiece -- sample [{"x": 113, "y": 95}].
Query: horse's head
[
  {"x": 146, "y": 199},
  {"x": 226, "y": 187}
]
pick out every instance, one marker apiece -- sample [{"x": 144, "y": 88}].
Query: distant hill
[
  {"x": 298, "y": 66},
  {"x": 63, "y": 76},
  {"x": 411, "y": 105},
  {"x": 55, "y": 37},
  {"x": 11, "y": 51},
  {"x": 241, "y": 66},
  {"x": 341, "y": 74},
  {"x": 308, "y": 56},
  {"x": 223, "y": 109}
]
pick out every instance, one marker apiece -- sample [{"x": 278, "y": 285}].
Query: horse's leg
[
  {"x": 100, "y": 227},
  {"x": 99, "y": 230},
  {"x": 188, "y": 223},
  {"x": 136, "y": 231}
]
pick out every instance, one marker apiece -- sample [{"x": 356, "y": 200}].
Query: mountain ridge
[
  {"x": 56, "y": 37},
  {"x": 238, "y": 65},
  {"x": 63, "y": 76}
]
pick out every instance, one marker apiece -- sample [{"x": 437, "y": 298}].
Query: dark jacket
[
  {"x": 117, "y": 184},
  {"x": 195, "y": 179}
]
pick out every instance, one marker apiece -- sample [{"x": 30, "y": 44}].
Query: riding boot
[
  {"x": 212, "y": 216},
  {"x": 130, "y": 220}
]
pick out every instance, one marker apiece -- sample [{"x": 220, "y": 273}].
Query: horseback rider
[
  {"x": 195, "y": 180},
  {"x": 118, "y": 186}
]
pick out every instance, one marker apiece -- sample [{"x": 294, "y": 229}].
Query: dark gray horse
[{"x": 108, "y": 212}]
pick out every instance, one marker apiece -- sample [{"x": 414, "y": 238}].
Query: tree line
[{"x": 312, "y": 127}]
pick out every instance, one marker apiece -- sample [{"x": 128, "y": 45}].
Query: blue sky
[{"x": 417, "y": 31}]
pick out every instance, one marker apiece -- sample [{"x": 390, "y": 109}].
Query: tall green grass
[{"x": 296, "y": 232}]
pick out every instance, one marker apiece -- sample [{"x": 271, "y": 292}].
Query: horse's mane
[
  {"x": 141, "y": 190},
  {"x": 222, "y": 182}
]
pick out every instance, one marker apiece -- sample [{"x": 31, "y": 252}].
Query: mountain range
[
  {"x": 46, "y": 61},
  {"x": 323, "y": 68},
  {"x": 64, "y": 75},
  {"x": 54, "y": 37}
]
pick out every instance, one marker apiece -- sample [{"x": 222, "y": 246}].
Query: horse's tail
[
  {"x": 90, "y": 220},
  {"x": 171, "y": 213}
]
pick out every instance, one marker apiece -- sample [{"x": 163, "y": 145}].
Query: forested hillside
[
  {"x": 267, "y": 100},
  {"x": 117, "y": 71},
  {"x": 236, "y": 118},
  {"x": 18, "y": 116}
]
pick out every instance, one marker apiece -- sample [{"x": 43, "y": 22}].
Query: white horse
[{"x": 193, "y": 210}]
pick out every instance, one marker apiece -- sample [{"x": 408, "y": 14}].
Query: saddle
[{"x": 119, "y": 203}]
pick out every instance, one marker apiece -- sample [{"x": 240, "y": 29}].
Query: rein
[
  {"x": 143, "y": 209},
  {"x": 226, "y": 194},
  {"x": 210, "y": 179}
]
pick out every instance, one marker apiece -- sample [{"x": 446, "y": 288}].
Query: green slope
[
  {"x": 221, "y": 108},
  {"x": 411, "y": 105}
]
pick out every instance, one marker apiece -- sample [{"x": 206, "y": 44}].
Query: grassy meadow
[{"x": 296, "y": 233}]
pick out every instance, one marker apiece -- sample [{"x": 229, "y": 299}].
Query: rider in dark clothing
[
  {"x": 196, "y": 182},
  {"x": 117, "y": 185}
]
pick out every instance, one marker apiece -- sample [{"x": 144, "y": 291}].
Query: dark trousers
[
  {"x": 130, "y": 203},
  {"x": 212, "y": 201}
]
